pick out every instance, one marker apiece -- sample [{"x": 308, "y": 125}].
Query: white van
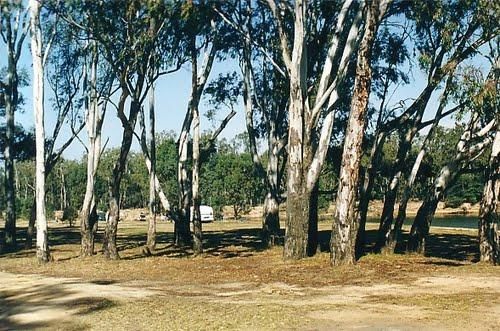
[{"x": 207, "y": 213}]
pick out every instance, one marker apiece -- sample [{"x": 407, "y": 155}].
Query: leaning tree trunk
[
  {"x": 489, "y": 214},
  {"x": 394, "y": 236},
  {"x": 42, "y": 244},
  {"x": 345, "y": 221},
  {"x": 387, "y": 218},
  {"x": 110, "y": 249},
  {"x": 467, "y": 149}
]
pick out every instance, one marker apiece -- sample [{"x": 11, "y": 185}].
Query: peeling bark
[
  {"x": 151, "y": 239},
  {"x": 345, "y": 222},
  {"x": 197, "y": 227},
  {"x": 489, "y": 214}
]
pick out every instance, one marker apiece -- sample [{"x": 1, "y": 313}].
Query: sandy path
[{"x": 30, "y": 301}]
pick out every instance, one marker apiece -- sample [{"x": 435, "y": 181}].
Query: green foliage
[{"x": 230, "y": 179}]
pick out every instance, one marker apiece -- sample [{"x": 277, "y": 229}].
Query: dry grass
[{"x": 203, "y": 292}]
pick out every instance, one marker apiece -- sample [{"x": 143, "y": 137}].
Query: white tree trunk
[
  {"x": 151, "y": 240},
  {"x": 468, "y": 148},
  {"x": 42, "y": 244},
  {"x": 197, "y": 228},
  {"x": 345, "y": 221},
  {"x": 93, "y": 121},
  {"x": 489, "y": 214}
]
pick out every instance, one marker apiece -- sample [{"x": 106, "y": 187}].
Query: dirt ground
[{"x": 238, "y": 285}]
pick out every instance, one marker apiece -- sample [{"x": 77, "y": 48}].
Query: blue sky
[
  {"x": 171, "y": 97},
  {"x": 172, "y": 92}
]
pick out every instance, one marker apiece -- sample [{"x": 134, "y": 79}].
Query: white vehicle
[{"x": 207, "y": 213}]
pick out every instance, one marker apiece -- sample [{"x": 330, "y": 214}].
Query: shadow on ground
[
  {"x": 37, "y": 306},
  {"x": 244, "y": 243}
]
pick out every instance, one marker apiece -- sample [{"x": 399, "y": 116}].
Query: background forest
[
  {"x": 228, "y": 177},
  {"x": 342, "y": 102}
]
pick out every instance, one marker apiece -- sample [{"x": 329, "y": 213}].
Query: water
[{"x": 449, "y": 221}]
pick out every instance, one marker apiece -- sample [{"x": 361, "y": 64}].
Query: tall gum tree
[
  {"x": 311, "y": 109},
  {"x": 94, "y": 119},
  {"x": 13, "y": 30},
  {"x": 264, "y": 93},
  {"x": 345, "y": 221},
  {"x": 480, "y": 101},
  {"x": 443, "y": 45},
  {"x": 489, "y": 236},
  {"x": 129, "y": 36},
  {"x": 42, "y": 244}
]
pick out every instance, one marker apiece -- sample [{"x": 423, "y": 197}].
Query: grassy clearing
[{"x": 236, "y": 284}]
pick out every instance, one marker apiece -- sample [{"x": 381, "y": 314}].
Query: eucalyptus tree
[
  {"x": 13, "y": 30},
  {"x": 205, "y": 35},
  {"x": 265, "y": 94},
  {"x": 39, "y": 56},
  {"x": 197, "y": 27},
  {"x": 390, "y": 56},
  {"x": 478, "y": 134},
  {"x": 130, "y": 35},
  {"x": 447, "y": 34},
  {"x": 489, "y": 235},
  {"x": 96, "y": 89},
  {"x": 312, "y": 98},
  {"x": 65, "y": 75},
  {"x": 489, "y": 238},
  {"x": 345, "y": 222}
]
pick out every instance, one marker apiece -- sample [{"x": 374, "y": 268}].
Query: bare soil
[{"x": 238, "y": 285}]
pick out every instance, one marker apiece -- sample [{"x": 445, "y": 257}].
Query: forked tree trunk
[
  {"x": 304, "y": 162},
  {"x": 467, "y": 150},
  {"x": 387, "y": 217},
  {"x": 394, "y": 236},
  {"x": 489, "y": 214},
  {"x": 88, "y": 213},
  {"x": 345, "y": 220},
  {"x": 42, "y": 244},
  {"x": 110, "y": 249},
  {"x": 198, "y": 81}
]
